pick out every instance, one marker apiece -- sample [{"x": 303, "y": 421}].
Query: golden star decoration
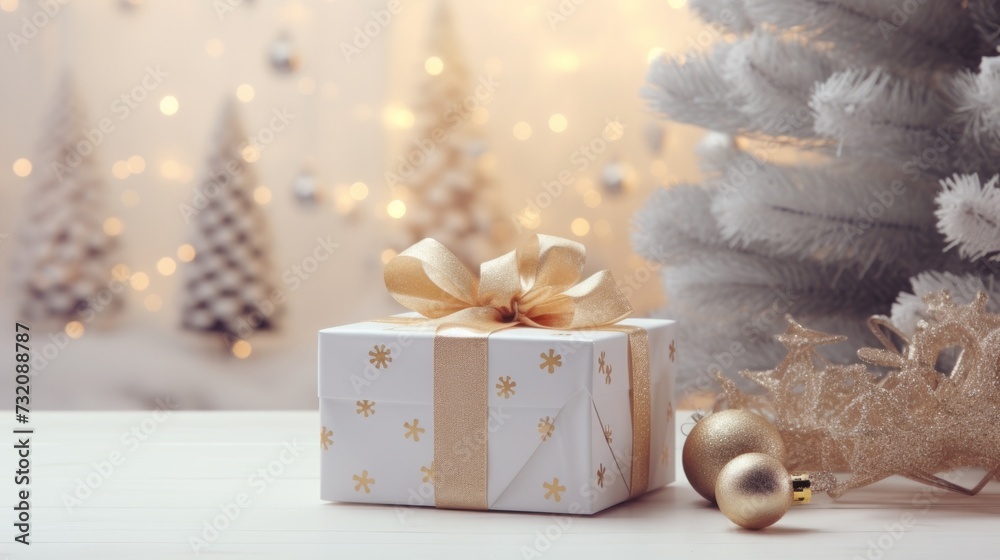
[
  {"x": 551, "y": 360},
  {"x": 554, "y": 488},
  {"x": 428, "y": 473},
  {"x": 607, "y": 433},
  {"x": 604, "y": 367},
  {"x": 545, "y": 427},
  {"x": 363, "y": 481},
  {"x": 366, "y": 407},
  {"x": 380, "y": 356},
  {"x": 913, "y": 421},
  {"x": 600, "y": 475},
  {"x": 325, "y": 437},
  {"x": 506, "y": 387},
  {"x": 413, "y": 430}
]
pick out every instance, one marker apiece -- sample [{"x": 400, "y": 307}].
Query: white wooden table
[{"x": 183, "y": 470}]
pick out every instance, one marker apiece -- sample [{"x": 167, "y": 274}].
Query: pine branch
[
  {"x": 862, "y": 32},
  {"x": 675, "y": 225},
  {"x": 774, "y": 79},
  {"x": 977, "y": 115},
  {"x": 969, "y": 216},
  {"x": 841, "y": 213},
  {"x": 692, "y": 89},
  {"x": 725, "y": 14},
  {"x": 910, "y": 307},
  {"x": 725, "y": 281},
  {"x": 880, "y": 115},
  {"x": 738, "y": 341},
  {"x": 985, "y": 15}
]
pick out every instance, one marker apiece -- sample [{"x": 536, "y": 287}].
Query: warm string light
[
  {"x": 169, "y": 105},
  {"x": 113, "y": 226},
  {"x": 22, "y": 167},
  {"x": 396, "y": 209},
  {"x": 359, "y": 191},
  {"x": 262, "y": 195},
  {"x": 245, "y": 93},
  {"x": 522, "y": 130},
  {"x": 166, "y": 266},
  {"x": 557, "y": 122},
  {"x": 433, "y": 65},
  {"x": 74, "y": 329},
  {"x": 185, "y": 253},
  {"x": 214, "y": 47},
  {"x": 139, "y": 281},
  {"x": 242, "y": 349}
]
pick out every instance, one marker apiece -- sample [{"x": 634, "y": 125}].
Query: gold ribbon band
[
  {"x": 640, "y": 400},
  {"x": 538, "y": 285},
  {"x": 461, "y": 393}
]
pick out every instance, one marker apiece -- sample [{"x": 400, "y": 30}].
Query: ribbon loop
[{"x": 538, "y": 285}]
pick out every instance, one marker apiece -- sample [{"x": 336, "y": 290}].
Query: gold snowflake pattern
[
  {"x": 554, "y": 488},
  {"x": 428, "y": 473},
  {"x": 380, "y": 356},
  {"x": 670, "y": 411},
  {"x": 604, "y": 367},
  {"x": 363, "y": 481},
  {"x": 366, "y": 407},
  {"x": 545, "y": 427},
  {"x": 325, "y": 437},
  {"x": 673, "y": 350},
  {"x": 607, "y": 433},
  {"x": 413, "y": 430},
  {"x": 506, "y": 387},
  {"x": 551, "y": 361},
  {"x": 664, "y": 456},
  {"x": 600, "y": 475}
]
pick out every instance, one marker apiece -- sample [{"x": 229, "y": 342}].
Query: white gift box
[{"x": 560, "y": 421}]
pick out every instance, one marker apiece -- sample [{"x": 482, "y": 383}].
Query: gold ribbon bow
[{"x": 537, "y": 286}]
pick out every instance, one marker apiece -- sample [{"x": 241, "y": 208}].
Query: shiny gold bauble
[
  {"x": 721, "y": 437},
  {"x": 754, "y": 490}
]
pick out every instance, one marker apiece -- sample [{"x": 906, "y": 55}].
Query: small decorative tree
[
  {"x": 62, "y": 262},
  {"x": 451, "y": 194},
  {"x": 229, "y": 286}
]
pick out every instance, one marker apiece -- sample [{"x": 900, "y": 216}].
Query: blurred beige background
[{"x": 586, "y": 62}]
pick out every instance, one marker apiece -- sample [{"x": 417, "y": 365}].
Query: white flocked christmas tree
[
  {"x": 850, "y": 171},
  {"x": 444, "y": 170},
  {"x": 229, "y": 286},
  {"x": 62, "y": 266}
]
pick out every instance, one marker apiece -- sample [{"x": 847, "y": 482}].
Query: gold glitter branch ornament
[{"x": 916, "y": 420}]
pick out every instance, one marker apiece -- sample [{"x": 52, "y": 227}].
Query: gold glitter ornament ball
[
  {"x": 754, "y": 490},
  {"x": 721, "y": 437}
]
